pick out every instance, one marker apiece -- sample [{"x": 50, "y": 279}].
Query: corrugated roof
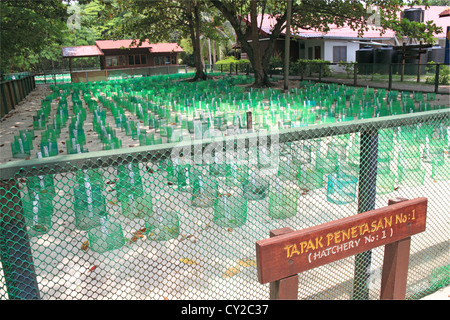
[
  {"x": 445, "y": 13},
  {"x": 153, "y": 47},
  {"x": 165, "y": 47},
  {"x": 81, "y": 51},
  {"x": 120, "y": 44}
]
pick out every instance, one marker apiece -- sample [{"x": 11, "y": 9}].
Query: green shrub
[
  {"x": 349, "y": 68},
  {"x": 230, "y": 62},
  {"x": 308, "y": 67},
  {"x": 444, "y": 74}
]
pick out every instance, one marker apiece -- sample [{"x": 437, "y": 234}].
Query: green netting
[{"x": 177, "y": 216}]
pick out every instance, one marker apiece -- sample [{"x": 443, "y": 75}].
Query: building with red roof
[{"x": 122, "y": 54}]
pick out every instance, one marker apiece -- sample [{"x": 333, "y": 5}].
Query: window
[
  {"x": 137, "y": 59},
  {"x": 339, "y": 53},
  {"x": 114, "y": 61},
  {"x": 317, "y": 52},
  {"x": 163, "y": 60}
]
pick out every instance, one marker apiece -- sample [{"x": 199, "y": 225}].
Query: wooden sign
[{"x": 289, "y": 254}]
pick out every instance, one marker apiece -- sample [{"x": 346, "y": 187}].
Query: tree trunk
[
  {"x": 257, "y": 62},
  {"x": 195, "y": 37},
  {"x": 261, "y": 66}
]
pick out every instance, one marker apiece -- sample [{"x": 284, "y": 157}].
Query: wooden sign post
[{"x": 287, "y": 253}]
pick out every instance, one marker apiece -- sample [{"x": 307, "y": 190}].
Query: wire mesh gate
[{"x": 180, "y": 220}]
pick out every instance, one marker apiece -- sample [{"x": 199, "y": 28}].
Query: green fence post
[
  {"x": 366, "y": 202},
  {"x": 320, "y": 72},
  {"x": 436, "y": 79},
  {"x": 15, "y": 249},
  {"x": 390, "y": 77}
]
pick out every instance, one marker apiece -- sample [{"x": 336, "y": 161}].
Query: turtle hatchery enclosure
[{"x": 159, "y": 188}]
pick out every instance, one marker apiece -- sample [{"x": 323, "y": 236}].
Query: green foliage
[
  {"x": 308, "y": 67},
  {"x": 348, "y": 67},
  {"x": 416, "y": 30},
  {"x": 27, "y": 28},
  {"x": 444, "y": 74},
  {"x": 231, "y": 62}
]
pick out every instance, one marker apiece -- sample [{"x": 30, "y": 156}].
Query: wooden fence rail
[{"x": 14, "y": 91}]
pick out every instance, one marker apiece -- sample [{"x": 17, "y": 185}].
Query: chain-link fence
[
  {"x": 424, "y": 77},
  {"x": 178, "y": 216}
]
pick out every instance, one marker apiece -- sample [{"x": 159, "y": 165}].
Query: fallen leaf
[
  {"x": 85, "y": 246},
  {"x": 138, "y": 234},
  {"x": 114, "y": 203},
  {"x": 231, "y": 272},
  {"x": 165, "y": 298},
  {"x": 247, "y": 263},
  {"x": 189, "y": 261}
]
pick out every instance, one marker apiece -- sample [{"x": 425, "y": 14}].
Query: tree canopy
[
  {"x": 33, "y": 32},
  {"x": 29, "y": 27}
]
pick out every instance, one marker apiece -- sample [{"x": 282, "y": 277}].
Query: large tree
[
  {"x": 311, "y": 14},
  {"x": 160, "y": 20},
  {"x": 28, "y": 28}
]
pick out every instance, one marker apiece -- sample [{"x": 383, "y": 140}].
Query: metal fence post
[
  {"x": 366, "y": 202},
  {"x": 320, "y": 72},
  {"x": 15, "y": 249},
  {"x": 390, "y": 77},
  {"x": 436, "y": 79}
]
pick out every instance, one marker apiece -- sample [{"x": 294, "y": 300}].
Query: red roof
[
  {"x": 445, "y": 13},
  {"x": 165, "y": 47},
  {"x": 81, "y": 51},
  {"x": 92, "y": 51},
  {"x": 120, "y": 44},
  {"x": 153, "y": 47}
]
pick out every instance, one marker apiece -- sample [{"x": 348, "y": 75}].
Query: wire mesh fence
[{"x": 178, "y": 216}]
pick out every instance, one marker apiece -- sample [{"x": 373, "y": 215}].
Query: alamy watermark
[
  {"x": 375, "y": 17},
  {"x": 74, "y": 20},
  {"x": 260, "y": 148}
]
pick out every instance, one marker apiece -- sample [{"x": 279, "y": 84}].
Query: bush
[
  {"x": 308, "y": 67},
  {"x": 230, "y": 62},
  {"x": 444, "y": 75},
  {"x": 349, "y": 68}
]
